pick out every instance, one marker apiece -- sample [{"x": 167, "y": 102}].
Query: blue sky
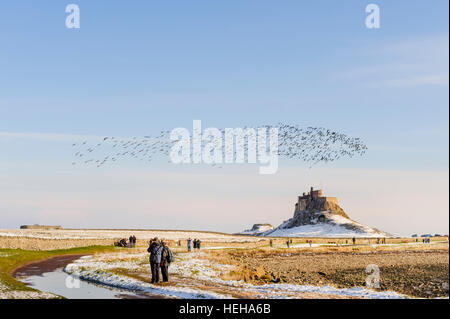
[{"x": 133, "y": 69}]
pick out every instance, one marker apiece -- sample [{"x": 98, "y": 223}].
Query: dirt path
[
  {"x": 37, "y": 268},
  {"x": 52, "y": 264}
]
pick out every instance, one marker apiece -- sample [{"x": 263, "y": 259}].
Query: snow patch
[
  {"x": 337, "y": 226},
  {"x": 257, "y": 229},
  {"x": 95, "y": 270}
]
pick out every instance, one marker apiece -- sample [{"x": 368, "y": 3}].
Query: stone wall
[{"x": 40, "y": 227}]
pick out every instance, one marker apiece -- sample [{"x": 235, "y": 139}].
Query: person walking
[
  {"x": 287, "y": 243},
  {"x": 189, "y": 244},
  {"x": 155, "y": 250},
  {"x": 271, "y": 243},
  {"x": 354, "y": 240},
  {"x": 166, "y": 259},
  {"x": 198, "y": 244}
]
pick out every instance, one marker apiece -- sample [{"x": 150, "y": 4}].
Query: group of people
[
  {"x": 123, "y": 242},
  {"x": 196, "y": 243},
  {"x": 160, "y": 258}
]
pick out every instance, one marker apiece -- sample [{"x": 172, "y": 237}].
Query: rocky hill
[
  {"x": 319, "y": 216},
  {"x": 257, "y": 229}
]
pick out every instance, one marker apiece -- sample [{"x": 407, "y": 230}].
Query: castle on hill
[
  {"x": 315, "y": 196},
  {"x": 318, "y": 216}
]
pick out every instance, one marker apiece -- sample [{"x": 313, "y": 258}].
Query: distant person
[
  {"x": 194, "y": 243},
  {"x": 130, "y": 242},
  {"x": 155, "y": 250},
  {"x": 287, "y": 243},
  {"x": 198, "y": 244},
  {"x": 189, "y": 244},
  {"x": 134, "y": 241},
  {"x": 354, "y": 240},
  {"x": 123, "y": 243},
  {"x": 166, "y": 259},
  {"x": 271, "y": 243}
]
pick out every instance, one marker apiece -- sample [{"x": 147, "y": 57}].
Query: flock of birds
[
  {"x": 311, "y": 145},
  {"x": 317, "y": 144}
]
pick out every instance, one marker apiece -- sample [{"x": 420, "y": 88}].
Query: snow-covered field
[
  {"x": 195, "y": 277},
  {"x": 6, "y": 293},
  {"x": 115, "y": 234},
  {"x": 336, "y": 228}
]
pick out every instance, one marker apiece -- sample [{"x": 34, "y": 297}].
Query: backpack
[{"x": 170, "y": 257}]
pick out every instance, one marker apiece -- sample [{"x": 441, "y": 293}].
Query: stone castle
[
  {"x": 314, "y": 196},
  {"x": 314, "y": 207}
]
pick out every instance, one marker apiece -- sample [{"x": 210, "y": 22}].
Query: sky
[{"x": 135, "y": 68}]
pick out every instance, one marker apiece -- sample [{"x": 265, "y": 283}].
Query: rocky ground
[{"x": 416, "y": 272}]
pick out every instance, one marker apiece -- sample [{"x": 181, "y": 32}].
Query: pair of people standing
[
  {"x": 132, "y": 241},
  {"x": 160, "y": 258},
  {"x": 196, "y": 243}
]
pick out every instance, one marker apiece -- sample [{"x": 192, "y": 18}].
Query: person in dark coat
[
  {"x": 166, "y": 259},
  {"x": 123, "y": 242},
  {"x": 130, "y": 240},
  {"x": 155, "y": 250},
  {"x": 198, "y": 244}
]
